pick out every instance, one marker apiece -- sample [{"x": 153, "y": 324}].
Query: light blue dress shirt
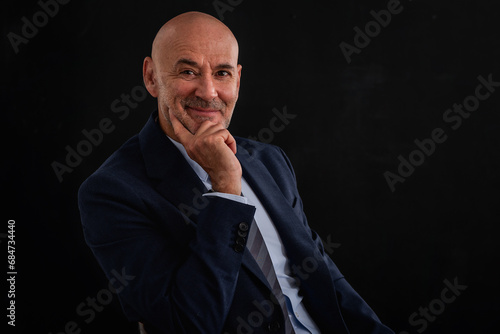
[{"x": 300, "y": 318}]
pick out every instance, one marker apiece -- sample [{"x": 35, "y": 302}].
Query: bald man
[{"x": 206, "y": 230}]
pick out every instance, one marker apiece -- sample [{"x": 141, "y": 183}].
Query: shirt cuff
[{"x": 232, "y": 197}]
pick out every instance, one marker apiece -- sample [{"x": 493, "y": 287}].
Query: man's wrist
[
  {"x": 237, "y": 198},
  {"x": 228, "y": 187}
]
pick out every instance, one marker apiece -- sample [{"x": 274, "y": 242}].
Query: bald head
[
  {"x": 193, "y": 71},
  {"x": 202, "y": 29}
]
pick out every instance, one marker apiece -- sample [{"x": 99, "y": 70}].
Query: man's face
[{"x": 198, "y": 80}]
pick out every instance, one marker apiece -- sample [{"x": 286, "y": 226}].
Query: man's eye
[
  {"x": 188, "y": 72},
  {"x": 223, "y": 73}
]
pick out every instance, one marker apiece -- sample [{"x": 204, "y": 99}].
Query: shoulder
[
  {"x": 258, "y": 149},
  {"x": 271, "y": 156},
  {"x": 121, "y": 170}
]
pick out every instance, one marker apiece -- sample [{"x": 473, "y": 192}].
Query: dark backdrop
[{"x": 352, "y": 122}]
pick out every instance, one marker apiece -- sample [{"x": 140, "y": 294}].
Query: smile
[{"x": 196, "y": 111}]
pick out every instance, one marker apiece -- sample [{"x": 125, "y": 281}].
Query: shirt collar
[{"x": 202, "y": 174}]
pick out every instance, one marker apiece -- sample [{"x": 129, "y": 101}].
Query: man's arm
[
  {"x": 180, "y": 286},
  {"x": 174, "y": 285}
]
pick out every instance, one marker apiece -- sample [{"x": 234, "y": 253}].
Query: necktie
[{"x": 258, "y": 249}]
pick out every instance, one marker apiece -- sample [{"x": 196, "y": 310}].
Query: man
[{"x": 209, "y": 228}]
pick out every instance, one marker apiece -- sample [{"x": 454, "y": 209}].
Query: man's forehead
[
  {"x": 203, "y": 45},
  {"x": 193, "y": 55}
]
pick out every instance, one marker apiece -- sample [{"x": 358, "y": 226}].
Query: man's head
[{"x": 193, "y": 71}]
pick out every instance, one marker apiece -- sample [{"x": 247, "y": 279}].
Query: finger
[
  {"x": 208, "y": 127},
  {"x": 228, "y": 138},
  {"x": 180, "y": 131},
  {"x": 231, "y": 142}
]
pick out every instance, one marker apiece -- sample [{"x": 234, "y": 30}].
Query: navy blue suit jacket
[{"x": 144, "y": 216}]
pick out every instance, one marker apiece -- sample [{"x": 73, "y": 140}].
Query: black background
[{"x": 353, "y": 121}]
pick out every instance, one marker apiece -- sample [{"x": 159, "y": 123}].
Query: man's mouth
[{"x": 202, "y": 112}]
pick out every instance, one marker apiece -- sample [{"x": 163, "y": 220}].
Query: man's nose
[{"x": 206, "y": 88}]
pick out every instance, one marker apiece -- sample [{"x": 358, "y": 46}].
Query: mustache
[{"x": 197, "y": 102}]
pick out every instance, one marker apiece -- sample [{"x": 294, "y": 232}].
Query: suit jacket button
[
  {"x": 242, "y": 233},
  {"x": 274, "y": 326},
  {"x": 243, "y": 227},
  {"x": 241, "y": 241},
  {"x": 238, "y": 248}
]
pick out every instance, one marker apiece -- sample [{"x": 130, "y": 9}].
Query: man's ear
[
  {"x": 149, "y": 77},
  {"x": 239, "y": 75}
]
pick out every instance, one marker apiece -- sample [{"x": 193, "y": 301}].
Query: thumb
[{"x": 180, "y": 130}]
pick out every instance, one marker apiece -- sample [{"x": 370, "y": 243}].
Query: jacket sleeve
[
  {"x": 173, "y": 286},
  {"x": 358, "y": 317}
]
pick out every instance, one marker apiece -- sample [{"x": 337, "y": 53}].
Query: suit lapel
[
  {"x": 266, "y": 189},
  {"x": 297, "y": 240},
  {"x": 290, "y": 228},
  {"x": 175, "y": 179}
]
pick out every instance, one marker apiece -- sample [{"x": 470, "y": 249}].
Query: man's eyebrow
[
  {"x": 187, "y": 61},
  {"x": 225, "y": 66}
]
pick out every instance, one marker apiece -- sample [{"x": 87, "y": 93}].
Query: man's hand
[{"x": 214, "y": 149}]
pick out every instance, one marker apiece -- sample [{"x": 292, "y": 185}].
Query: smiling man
[
  {"x": 210, "y": 225},
  {"x": 196, "y": 80}
]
